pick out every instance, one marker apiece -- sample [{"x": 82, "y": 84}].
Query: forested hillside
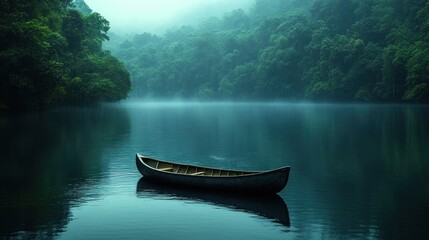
[
  {"x": 329, "y": 50},
  {"x": 50, "y": 54}
]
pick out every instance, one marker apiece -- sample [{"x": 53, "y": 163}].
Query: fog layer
[{"x": 155, "y": 16}]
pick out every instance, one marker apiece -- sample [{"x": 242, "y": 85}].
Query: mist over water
[{"x": 134, "y": 16}]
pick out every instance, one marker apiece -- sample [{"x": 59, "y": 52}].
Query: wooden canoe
[{"x": 251, "y": 182}]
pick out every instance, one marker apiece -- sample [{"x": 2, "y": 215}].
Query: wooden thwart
[
  {"x": 166, "y": 169},
  {"x": 198, "y": 173}
]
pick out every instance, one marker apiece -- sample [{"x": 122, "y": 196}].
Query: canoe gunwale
[{"x": 246, "y": 173}]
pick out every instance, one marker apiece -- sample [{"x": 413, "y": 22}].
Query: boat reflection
[{"x": 271, "y": 206}]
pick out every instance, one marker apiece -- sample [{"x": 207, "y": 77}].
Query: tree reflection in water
[{"x": 49, "y": 162}]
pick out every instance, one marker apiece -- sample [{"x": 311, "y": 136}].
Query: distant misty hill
[{"x": 323, "y": 50}]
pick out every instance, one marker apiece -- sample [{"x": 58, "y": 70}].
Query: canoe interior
[{"x": 192, "y": 170}]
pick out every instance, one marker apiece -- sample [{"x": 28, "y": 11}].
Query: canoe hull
[{"x": 259, "y": 182}]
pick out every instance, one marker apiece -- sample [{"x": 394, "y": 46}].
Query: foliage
[
  {"x": 331, "y": 50},
  {"x": 48, "y": 49}
]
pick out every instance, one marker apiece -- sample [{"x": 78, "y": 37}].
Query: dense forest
[
  {"x": 321, "y": 50},
  {"x": 50, "y": 54}
]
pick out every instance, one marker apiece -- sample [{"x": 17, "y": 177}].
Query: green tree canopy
[
  {"x": 46, "y": 47},
  {"x": 330, "y": 50}
]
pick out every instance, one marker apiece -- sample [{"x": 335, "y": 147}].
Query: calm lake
[{"x": 357, "y": 171}]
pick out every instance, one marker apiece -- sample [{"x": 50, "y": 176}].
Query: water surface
[{"x": 358, "y": 171}]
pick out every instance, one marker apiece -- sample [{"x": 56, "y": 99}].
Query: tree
[
  {"x": 49, "y": 52},
  {"x": 31, "y": 70},
  {"x": 73, "y": 30}
]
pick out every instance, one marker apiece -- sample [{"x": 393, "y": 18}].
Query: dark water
[{"x": 357, "y": 172}]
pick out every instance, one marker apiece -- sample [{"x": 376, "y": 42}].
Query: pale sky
[{"x": 126, "y": 16}]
